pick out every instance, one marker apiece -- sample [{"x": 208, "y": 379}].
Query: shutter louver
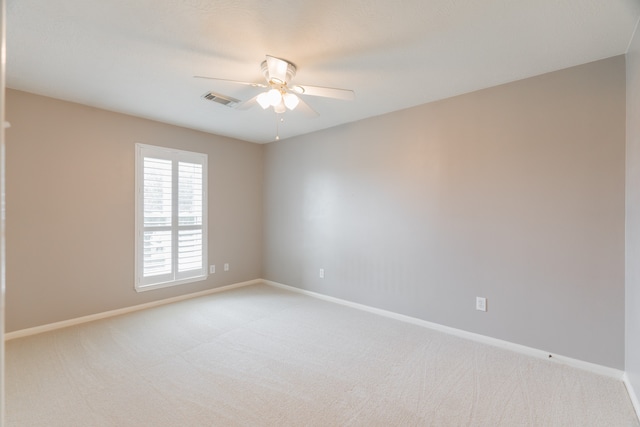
[
  {"x": 189, "y": 250},
  {"x": 189, "y": 193},
  {"x": 189, "y": 216},
  {"x": 157, "y": 214},
  {"x": 157, "y": 253},
  {"x": 157, "y": 192}
]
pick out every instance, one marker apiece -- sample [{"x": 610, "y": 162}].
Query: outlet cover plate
[{"x": 481, "y": 304}]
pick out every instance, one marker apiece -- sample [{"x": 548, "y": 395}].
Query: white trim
[
  {"x": 529, "y": 351},
  {"x": 540, "y": 354},
  {"x": 632, "y": 394},
  {"x": 90, "y": 318},
  {"x": 144, "y": 288}
]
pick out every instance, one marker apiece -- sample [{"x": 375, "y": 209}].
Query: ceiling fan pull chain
[{"x": 279, "y": 120}]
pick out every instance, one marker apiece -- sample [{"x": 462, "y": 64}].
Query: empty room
[{"x": 358, "y": 213}]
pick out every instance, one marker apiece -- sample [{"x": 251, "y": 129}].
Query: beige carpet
[{"x": 259, "y": 356}]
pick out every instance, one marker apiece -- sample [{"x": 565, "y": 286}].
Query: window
[{"x": 171, "y": 217}]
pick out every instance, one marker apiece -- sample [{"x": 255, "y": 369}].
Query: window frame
[{"x": 175, "y": 156}]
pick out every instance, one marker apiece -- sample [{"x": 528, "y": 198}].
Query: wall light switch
[
  {"x": 481, "y": 304},
  {"x": 321, "y": 274},
  {"x": 226, "y": 266},
  {"x": 212, "y": 269}
]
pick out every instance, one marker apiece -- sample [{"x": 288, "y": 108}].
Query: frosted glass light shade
[
  {"x": 274, "y": 97},
  {"x": 290, "y": 100},
  {"x": 263, "y": 100}
]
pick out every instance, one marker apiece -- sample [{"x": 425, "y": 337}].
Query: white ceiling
[{"x": 138, "y": 56}]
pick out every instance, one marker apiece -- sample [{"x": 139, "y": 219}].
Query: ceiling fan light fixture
[
  {"x": 263, "y": 100},
  {"x": 290, "y": 100},
  {"x": 278, "y": 92}
]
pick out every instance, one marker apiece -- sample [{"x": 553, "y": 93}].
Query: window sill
[{"x": 144, "y": 288}]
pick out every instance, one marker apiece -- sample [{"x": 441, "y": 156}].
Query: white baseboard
[
  {"x": 90, "y": 318},
  {"x": 632, "y": 394},
  {"x": 540, "y": 354}
]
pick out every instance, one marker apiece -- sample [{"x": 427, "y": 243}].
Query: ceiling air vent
[{"x": 221, "y": 99}]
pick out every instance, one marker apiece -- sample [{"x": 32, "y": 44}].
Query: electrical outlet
[
  {"x": 212, "y": 269},
  {"x": 321, "y": 274},
  {"x": 226, "y": 266},
  {"x": 481, "y": 304}
]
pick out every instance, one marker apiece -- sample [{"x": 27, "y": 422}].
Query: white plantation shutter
[
  {"x": 171, "y": 217},
  {"x": 189, "y": 217},
  {"x": 157, "y": 194}
]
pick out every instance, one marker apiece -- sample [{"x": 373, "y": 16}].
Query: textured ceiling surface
[{"x": 139, "y": 56}]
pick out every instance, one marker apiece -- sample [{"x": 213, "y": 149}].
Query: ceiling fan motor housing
[{"x": 289, "y": 73}]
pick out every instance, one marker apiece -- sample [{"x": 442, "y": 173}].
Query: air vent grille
[{"x": 221, "y": 99}]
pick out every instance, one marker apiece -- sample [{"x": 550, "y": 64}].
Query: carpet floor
[{"x": 262, "y": 356}]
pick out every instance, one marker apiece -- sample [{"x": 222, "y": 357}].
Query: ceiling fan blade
[
  {"x": 326, "y": 92},
  {"x": 232, "y": 81},
  {"x": 247, "y": 104},
  {"x": 277, "y": 68},
  {"x": 305, "y": 109}
]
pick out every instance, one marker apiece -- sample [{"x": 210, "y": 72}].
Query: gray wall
[
  {"x": 70, "y": 209},
  {"x": 633, "y": 215},
  {"x": 515, "y": 193}
]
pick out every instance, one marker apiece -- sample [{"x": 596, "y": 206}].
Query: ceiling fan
[{"x": 280, "y": 93}]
